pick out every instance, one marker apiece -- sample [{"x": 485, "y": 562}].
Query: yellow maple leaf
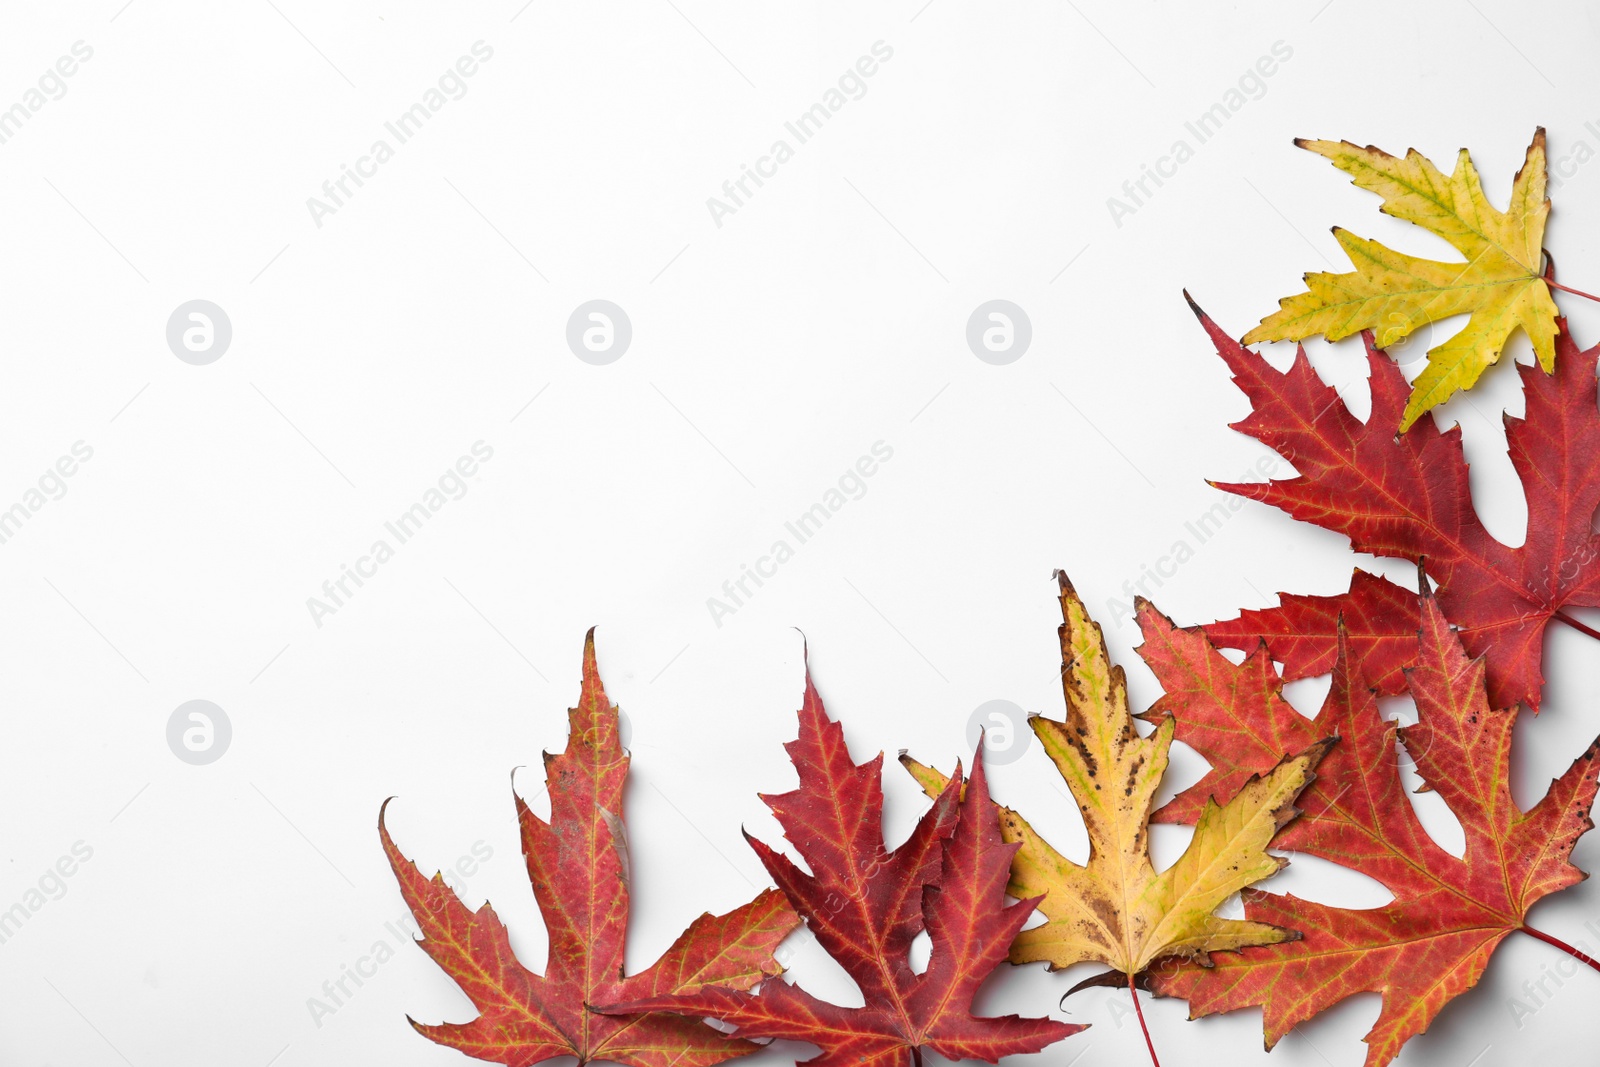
[
  {"x": 1116, "y": 909},
  {"x": 1499, "y": 283}
]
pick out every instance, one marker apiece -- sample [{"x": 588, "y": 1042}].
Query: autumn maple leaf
[
  {"x": 1434, "y": 940},
  {"x": 1380, "y": 621},
  {"x": 1116, "y": 909},
  {"x": 866, "y": 904},
  {"x": 1499, "y": 284},
  {"x": 1408, "y": 497},
  {"x": 578, "y": 865}
]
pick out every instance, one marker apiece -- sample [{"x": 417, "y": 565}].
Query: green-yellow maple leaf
[{"x": 1499, "y": 284}]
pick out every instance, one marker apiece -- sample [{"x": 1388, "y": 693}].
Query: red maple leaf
[
  {"x": 1434, "y": 940},
  {"x": 866, "y": 904},
  {"x": 579, "y": 868},
  {"x": 1379, "y": 616},
  {"x": 1407, "y": 497}
]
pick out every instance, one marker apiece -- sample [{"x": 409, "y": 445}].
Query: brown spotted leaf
[{"x": 1116, "y": 909}]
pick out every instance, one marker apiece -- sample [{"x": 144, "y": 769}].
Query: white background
[{"x": 768, "y": 354}]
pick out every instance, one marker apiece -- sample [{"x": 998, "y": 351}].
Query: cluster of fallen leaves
[
  {"x": 971, "y": 874},
  {"x": 1468, "y": 654},
  {"x": 864, "y": 902},
  {"x": 1434, "y": 940}
]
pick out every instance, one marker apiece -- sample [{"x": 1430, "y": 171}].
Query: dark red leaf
[
  {"x": 866, "y": 904},
  {"x": 1408, "y": 497}
]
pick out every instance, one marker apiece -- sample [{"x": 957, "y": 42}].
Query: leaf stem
[
  {"x": 1569, "y": 289},
  {"x": 1578, "y": 626},
  {"x": 1133, "y": 991},
  {"x": 1581, "y": 957}
]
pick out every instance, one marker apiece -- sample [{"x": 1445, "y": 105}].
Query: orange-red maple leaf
[
  {"x": 578, "y": 864},
  {"x": 1407, "y": 496},
  {"x": 866, "y": 904},
  {"x": 1434, "y": 940}
]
